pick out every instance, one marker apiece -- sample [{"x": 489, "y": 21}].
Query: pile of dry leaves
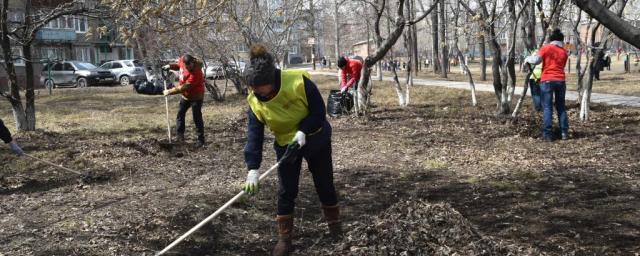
[{"x": 416, "y": 227}]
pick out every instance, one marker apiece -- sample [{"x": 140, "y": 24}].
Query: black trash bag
[
  {"x": 150, "y": 87},
  {"x": 339, "y": 103}
]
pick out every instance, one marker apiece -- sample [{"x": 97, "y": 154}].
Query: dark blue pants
[
  {"x": 317, "y": 153},
  {"x": 535, "y": 94},
  {"x": 551, "y": 90},
  {"x": 5, "y": 135},
  {"x": 196, "y": 110}
]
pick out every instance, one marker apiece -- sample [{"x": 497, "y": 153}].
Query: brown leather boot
[
  {"x": 285, "y": 230},
  {"x": 332, "y": 216}
]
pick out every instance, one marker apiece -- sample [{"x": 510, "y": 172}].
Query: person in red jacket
[
  {"x": 553, "y": 57},
  {"x": 192, "y": 89},
  {"x": 350, "y": 72}
]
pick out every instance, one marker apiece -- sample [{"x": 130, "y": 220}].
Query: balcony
[{"x": 58, "y": 35}]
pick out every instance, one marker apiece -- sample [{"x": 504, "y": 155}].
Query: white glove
[
  {"x": 251, "y": 186},
  {"x": 531, "y": 59},
  {"x": 166, "y": 67},
  {"x": 300, "y": 137}
]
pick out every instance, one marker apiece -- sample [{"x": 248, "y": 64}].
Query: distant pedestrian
[
  {"x": 554, "y": 57},
  {"x": 350, "y": 75}
]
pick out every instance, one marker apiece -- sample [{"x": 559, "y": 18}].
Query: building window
[
  {"x": 293, "y": 49},
  {"x": 83, "y": 54},
  {"x": 70, "y": 21},
  {"x": 16, "y": 53},
  {"x": 64, "y": 22},
  {"x": 52, "y": 24},
  {"x": 242, "y": 47},
  {"x": 81, "y": 24},
  {"x": 16, "y": 16},
  {"x": 16, "y": 56},
  {"x": 129, "y": 53},
  {"x": 53, "y": 53}
]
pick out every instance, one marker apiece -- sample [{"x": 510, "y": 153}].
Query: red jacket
[
  {"x": 194, "y": 78},
  {"x": 352, "y": 69},
  {"x": 554, "y": 58}
]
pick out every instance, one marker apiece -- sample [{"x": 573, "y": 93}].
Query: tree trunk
[
  {"x": 444, "y": 55},
  {"x": 313, "y": 34},
  {"x": 435, "y": 54},
  {"x": 525, "y": 84},
  {"x": 30, "y": 110},
  {"x": 511, "y": 68},
  {"x": 414, "y": 41},
  {"x": 14, "y": 90},
  {"x": 586, "y": 96},
  {"x": 399, "y": 92},
  {"x": 529, "y": 25},
  {"x": 463, "y": 64},
  {"x": 336, "y": 26},
  {"x": 483, "y": 58}
]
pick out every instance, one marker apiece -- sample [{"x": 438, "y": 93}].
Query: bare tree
[
  {"x": 487, "y": 24},
  {"x": 363, "y": 89},
  {"x": 444, "y": 53},
  {"x": 23, "y": 35},
  {"x": 594, "y": 64},
  {"x": 621, "y": 28},
  {"x": 461, "y": 59}
]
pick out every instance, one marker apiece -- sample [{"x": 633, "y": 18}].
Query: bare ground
[{"x": 575, "y": 197}]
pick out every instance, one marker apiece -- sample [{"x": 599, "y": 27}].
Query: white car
[
  {"x": 214, "y": 69},
  {"x": 126, "y": 71}
]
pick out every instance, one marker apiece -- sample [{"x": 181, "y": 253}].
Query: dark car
[
  {"x": 295, "y": 60},
  {"x": 75, "y": 73}
]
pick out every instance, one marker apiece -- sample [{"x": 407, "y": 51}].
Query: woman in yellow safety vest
[
  {"x": 534, "y": 83},
  {"x": 290, "y": 105}
]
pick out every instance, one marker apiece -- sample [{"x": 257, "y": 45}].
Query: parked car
[
  {"x": 74, "y": 73},
  {"x": 215, "y": 71},
  {"x": 126, "y": 71},
  {"x": 295, "y": 60}
]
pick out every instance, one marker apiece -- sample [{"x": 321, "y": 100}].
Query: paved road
[{"x": 610, "y": 99}]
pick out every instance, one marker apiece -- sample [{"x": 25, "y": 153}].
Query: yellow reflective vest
[{"x": 284, "y": 112}]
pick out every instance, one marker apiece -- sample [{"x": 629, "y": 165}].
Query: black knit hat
[
  {"x": 261, "y": 69},
  {"x": 556, "y": 35},
  {"x": 188, "y": 59},
  {"x": 342, "y": 61}
]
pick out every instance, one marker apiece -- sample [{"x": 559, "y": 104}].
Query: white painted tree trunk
[{"x": 399, "y": 92}]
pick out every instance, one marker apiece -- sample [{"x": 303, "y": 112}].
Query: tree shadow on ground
[{"x": 580, "y": 209}]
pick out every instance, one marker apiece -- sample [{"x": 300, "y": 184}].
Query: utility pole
[{"x": 313, "y": 34}]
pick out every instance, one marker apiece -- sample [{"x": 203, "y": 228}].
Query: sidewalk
[{"x": 610, "y": 99}]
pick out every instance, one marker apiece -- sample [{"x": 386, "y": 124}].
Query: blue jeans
[
  {"x": 551, "y": 89},
  {"x": 535, "y": 94}
]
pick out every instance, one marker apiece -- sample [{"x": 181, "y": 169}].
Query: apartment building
[{"x": 65, "y": 38}]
